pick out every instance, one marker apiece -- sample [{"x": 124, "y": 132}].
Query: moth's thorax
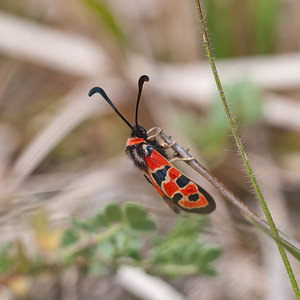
[
  {"x": 134, "y": 141},
  {"x": 136, "y": 149}
]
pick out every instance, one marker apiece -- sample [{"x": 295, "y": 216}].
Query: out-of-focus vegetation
[
  {"x": 211, "y": 134},
  {"x": 62, "y": 153},
  {"x": 105, "y": 242},
  {"x": 243, "y": 28}
]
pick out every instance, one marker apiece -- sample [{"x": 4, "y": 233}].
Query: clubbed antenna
[
  {"x": 141, "y": 81},
  {"x": 103, "y": 94}
]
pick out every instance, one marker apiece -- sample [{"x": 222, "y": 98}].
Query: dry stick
[{"x": 248, "y": 213}]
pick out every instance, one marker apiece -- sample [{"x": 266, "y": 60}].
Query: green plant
[
  {"x": 102, "y": 243},
  {"x": 212, "y": 134},
  {"x": 243, "y": 155},
  {"x": 107, "y": 18},
  {"x": 255, "y": 34},
  {"x": 119, "y": 237}
]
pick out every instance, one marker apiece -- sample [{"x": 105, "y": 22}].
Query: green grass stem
[{"x": 243, "y": 154}]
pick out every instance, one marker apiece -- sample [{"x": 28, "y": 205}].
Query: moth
[{"x": 178, "y": 191}]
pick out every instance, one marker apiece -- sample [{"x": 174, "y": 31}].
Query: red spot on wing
[
  {"x": 155, "y": 160},
  {"x": 191, "y": 188},
  {"x": 170, "y": 188},
  {"x": 202, "y": 202},
  {"x": 173, "y": 173}
]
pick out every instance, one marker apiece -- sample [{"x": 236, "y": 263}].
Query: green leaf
[
  {"x": 187, "y": 227},
  {"x": 85, "y": 226},
  {"x": 173, "y": 270},
  {"x": 145, "y": 225},
  {"x": 208, "y": 270},
  {"x": 107, "y": 249},
  {"x": 113, "y": 213},
  {"x": 135, "y": 241},
  {"x": 135, "y": 212},
  {"x": 119, "y": 239},
  {"x": 138, "y": 218},
  {"x": 134, "y": 254},
  {"x": 69, "y": 237},
  {"x": 191, "y": 252},
  {"x": 207, "y": 255},
  {"x": 210, "y": 254},
  {"x": 100, "y": 220}
]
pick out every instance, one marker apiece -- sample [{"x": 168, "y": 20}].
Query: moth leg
[
  {"x": 156, "y": 130},
  {"x": 166, "y": 145},
  {"x": 181, "y": 158},
  {"x": 152, "y": 137}
]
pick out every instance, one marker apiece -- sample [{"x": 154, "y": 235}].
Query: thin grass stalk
[{"x": 243, "y": 154}]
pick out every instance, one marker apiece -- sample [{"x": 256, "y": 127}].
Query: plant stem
[
  {"x": 243, "y": 154},
  {"x": 85, "y": 243},
  {"x": 291, "y": 245}
]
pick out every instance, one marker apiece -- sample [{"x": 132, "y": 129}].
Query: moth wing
[
  {"x": 160, "y": 192},
  {"x": 192, "y": 197},
  {"x": 179, "y": 191}
]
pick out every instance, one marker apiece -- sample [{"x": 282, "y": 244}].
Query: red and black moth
[{"x": 178, "y": 191}]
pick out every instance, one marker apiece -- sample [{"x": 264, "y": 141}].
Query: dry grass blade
[
  {"x": 282, "y": 112},
  {"x": 145, "y": 286},
  {"x": 51, "y": 48},
  {"x": 75, "y": 111}
]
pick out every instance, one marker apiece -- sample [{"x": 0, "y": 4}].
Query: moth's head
[{"x": 139, "y": 131}]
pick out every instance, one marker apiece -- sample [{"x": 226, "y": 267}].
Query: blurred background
[{"x": 62, "y": 153}]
